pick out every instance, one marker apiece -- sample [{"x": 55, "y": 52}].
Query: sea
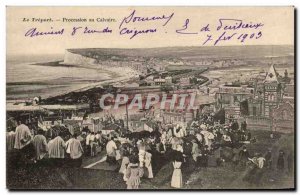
[
  {"x": 25, "y": 79},
  {"x": 30, "y": 76}
]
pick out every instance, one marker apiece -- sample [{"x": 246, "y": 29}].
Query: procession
[{"x": 139, "y": 156}]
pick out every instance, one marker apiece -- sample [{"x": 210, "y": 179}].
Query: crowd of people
[
  {"x": 57, "y": 150},
  {"x": 203, "y": 143}
]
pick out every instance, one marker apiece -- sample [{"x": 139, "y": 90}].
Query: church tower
[{"x": 271, "y": 92}]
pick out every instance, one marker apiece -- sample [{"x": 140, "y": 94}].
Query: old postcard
[{"x": 150, "y": 98}]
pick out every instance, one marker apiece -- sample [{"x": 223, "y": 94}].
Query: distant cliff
[{"x": 73, "y": 58}]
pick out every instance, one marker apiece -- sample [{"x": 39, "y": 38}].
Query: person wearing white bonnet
[
  {"x": 163, "y": 137},
  {"x": 179, "y": 148},
  {"x": 205, "y": 133},
  {"x": 141, "y": 154},
  {"x": 148, "y": 157},
  {"x": 203, "y": 127},
  {"x": 179, "y": 131}
]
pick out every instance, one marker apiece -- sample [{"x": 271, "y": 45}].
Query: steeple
[{"x": 271, "y": 75}]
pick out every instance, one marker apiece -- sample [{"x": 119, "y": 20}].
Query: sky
[{"x": 277, "y": 29}]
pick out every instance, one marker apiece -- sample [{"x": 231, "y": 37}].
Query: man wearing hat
[{"x": 243, "y": 156}]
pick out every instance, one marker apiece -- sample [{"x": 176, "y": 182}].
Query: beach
[{"x": 27, "y": 79}]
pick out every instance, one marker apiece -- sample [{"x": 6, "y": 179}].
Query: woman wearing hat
[
  {"x": 133, "y": 173},
  {"x": 176, "y": 181}
]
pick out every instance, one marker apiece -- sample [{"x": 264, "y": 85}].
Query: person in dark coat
[
  {"x": 235, "y": 138},
  {"x": 249, "y": 136},
  {"x": 235, "y": 126},
  {"x": 204, "y": 157},
  {"x": 244, "y": 126},
  {"x": 280, "y": 161},
  {"x": 255, "y": 170},
  {"x": 243, "y": 156},
  {"x": 268, "y": 158}
]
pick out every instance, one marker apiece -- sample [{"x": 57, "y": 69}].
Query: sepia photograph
[{"x": 150, "y": 98}]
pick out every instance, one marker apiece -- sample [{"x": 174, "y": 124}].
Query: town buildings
[{"x": 267, "y": 102}]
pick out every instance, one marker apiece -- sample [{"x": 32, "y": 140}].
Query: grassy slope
[{"x": 226, "y": 178}]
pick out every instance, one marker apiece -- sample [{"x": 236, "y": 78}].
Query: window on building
[
  {"x": 271, "y": 97},
  {"x": 254, "y": 111},
  {"x": 267, "y": 109},
  {"x": 235, "y": 98},
  {"x": 226, "y": 99}
]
